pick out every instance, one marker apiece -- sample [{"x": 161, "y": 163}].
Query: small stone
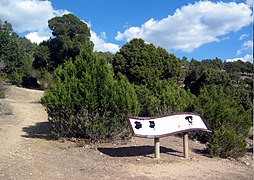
[
  {"x": 231, "y": 159},
  {"x": 247, "y": 163},
  {"x": 101, "y": 154},
  {"x": 138, "y": 159}
]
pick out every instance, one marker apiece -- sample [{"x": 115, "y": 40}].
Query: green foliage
[
  {"x": 205, "y": 73},
  {"x": 70, "y": 36},
  {"x": 106, "y": 55},
  {"x": 41, "y": 57},
  {"x": 2, "y": 87},
  {"x": 86, "y": 101},
  {"x": 167, "y": 98},
  {"x": 227, "y": 108},
  {"x": 244, "y": 96},
  {"x": 172, "y": 98},
  {"x": 15, "y": 54},
  {"x": 148, "y": 101},
  {"x": 14, "y": 77},
  {"x": 238, "y": 66},
  {"x": 45, "y": 78},
  {"x": 225, "y": 143},
  {"x": 220, "y": 107},
  {"x": 144, "y": 64}
]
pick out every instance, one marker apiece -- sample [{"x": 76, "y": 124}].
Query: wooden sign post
[
  {"x": 157, "y": 127},
  {"x": 157, "y": 148},
  {"x": 185, "y": 145}
]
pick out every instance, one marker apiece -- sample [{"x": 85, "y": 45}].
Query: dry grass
[{"x": 5, "y": 109}]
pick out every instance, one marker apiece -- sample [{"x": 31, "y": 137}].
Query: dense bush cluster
[
  {"x": 227, "y": 117},
  {"x": 85, "y": 100},
  {"x": 89, "y": 93}
]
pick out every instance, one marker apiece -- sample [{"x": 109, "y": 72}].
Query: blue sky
[{"x": 195, "y": 29}]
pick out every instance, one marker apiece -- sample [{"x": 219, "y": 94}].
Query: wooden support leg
[
  {"x": 185, "y": 145},
  {"x": 157, "y": 148}
]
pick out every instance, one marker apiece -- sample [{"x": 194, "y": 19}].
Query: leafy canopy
[
  {"x": 15, "y": 54},
  {"x": 144, "y": 64},
  {"x": 70, "y": 36},
  {"x": 85, "y": 100}
]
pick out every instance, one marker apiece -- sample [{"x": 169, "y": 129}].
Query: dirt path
[{"x": 26, "y": 152}]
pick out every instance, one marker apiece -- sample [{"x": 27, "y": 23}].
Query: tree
[
  {"x": 28, "y": 46},
  {"x": 213, "y": 63},
  {"x": 238, "y": 66},
  {"x": 144, "y": 64},
  {"x": 86, "y": 101},
  {"x": 226, "y": 117},
  {"x": 42, "y": 57},
  {"x": 70, "y": 36},
  {"x": 107, "y": 55},
  {"x": 14, "y": 59},
  {"x": 204, "y": 73},
  {"x": 172, "y": 99},
  {"x": 167, "y": 98}
]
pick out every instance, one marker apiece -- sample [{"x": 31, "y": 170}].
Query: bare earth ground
[{"x": 27, "y": 152}]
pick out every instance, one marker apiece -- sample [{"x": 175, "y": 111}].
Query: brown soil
[{"x": 27, "y": 152}]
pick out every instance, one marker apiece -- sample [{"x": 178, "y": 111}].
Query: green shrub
[
  {"x": 227, "y": 118},
  {"x": 227, "y": 143},
  {"x": 85, "y": 100},
  {"x": 149, "y": 103},
  {"x": 173, "y": 98},
  {"x": 166, "y": 98},
  {"x": 15, "y": 78},
  {"x": 45, "y": 78}
]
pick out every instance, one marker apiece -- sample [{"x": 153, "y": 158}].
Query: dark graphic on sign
[
  {"x": 190, "y": 119},
  {"x": 152, "y": 124},
  {"x": 138, "y": 125}
]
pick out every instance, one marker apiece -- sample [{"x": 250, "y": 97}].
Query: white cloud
[
  {"x": 192, "y": 26},
  {"x": 89, "y": 24},
  {"x": 38, "y": 37},
  {"x": 238, "y": 52},
  {"x": 246, "y": 58},
  {"x": 29, "y": 16},
  {"x": 247, "y": 45},
  {"x": 101, "y": 45},
  {"x": 103, "y": 35},
  {"x": 249, "y": 3},
  {"x": 243, "y": 36}
]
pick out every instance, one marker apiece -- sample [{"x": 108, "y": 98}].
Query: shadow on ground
[
  {"x": 202, "y": 152},
  {"x": 39, "y": 130},
  {"x": 136, "y": 151}
]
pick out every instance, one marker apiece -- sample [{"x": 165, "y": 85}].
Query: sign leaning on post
[{"x": 161, "y": 126}]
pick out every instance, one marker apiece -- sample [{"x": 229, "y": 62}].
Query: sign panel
[{"x": 155, "y": 127}]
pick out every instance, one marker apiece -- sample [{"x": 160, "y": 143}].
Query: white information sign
[{"x": 155, "y": 127}]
